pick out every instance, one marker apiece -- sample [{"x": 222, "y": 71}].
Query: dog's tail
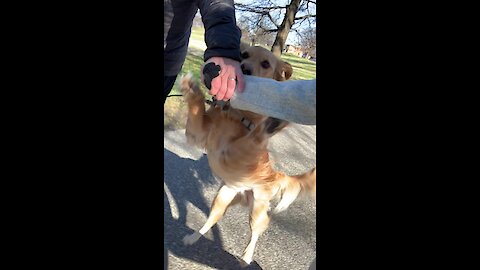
[{"x": 292, "y": 186}]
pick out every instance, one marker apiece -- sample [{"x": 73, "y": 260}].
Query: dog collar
[
  {"x": 224, "y": 105},
  {"x": 247, "y": 123}
]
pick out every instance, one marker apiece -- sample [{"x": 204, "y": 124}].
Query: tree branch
[
  {"x": 267, "y": 30},
  {"x": 257, "y": 9},
  {"x": 271, "y": 19},
  {"x": 306, "y": 17}
]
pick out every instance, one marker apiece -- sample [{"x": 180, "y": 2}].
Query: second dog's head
[{"x": 258, "y": 61}]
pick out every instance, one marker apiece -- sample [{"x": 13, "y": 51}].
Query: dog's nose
[{"x": 245, "y": 70}]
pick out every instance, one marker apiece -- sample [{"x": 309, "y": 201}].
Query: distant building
[{"x": 293, "y": 50}]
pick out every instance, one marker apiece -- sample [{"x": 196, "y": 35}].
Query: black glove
[{"x": 210, "y": 71}]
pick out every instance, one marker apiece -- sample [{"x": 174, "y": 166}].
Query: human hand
[{"x": 223, "y": 86}]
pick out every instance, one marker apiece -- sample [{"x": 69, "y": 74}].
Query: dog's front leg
[
  {"x": 197, "y": 121},
  {"x": 219, "y": 206}
]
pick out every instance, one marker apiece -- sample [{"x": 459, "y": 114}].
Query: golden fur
[{"x": 239, "y": 156}]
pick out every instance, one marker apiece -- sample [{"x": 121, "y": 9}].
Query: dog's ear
[
  {"x": 288, "y": 70},
  {"x": 284, "y": 71}
]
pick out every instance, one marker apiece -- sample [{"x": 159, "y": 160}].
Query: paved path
[{"x": 189, "y": 189}]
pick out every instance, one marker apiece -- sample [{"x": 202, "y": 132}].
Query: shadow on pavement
[{"x": 184, "y": 178}]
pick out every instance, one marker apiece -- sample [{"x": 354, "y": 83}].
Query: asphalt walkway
[{"x": 189, "y": 189}]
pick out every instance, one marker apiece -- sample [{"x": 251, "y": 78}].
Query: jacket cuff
[{"x": 228, "y": 53}]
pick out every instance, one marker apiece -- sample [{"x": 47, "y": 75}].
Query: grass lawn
[
  {"x": 198, "y": 33},
  {"x": 175, "y": 109}
]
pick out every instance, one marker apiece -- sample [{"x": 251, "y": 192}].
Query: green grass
[
  {"x": 192, "y": 64},
  {"x": 198, "y": 33},
  {"x": 175, "y": 109},
  {"x": 303, "y": 69}
]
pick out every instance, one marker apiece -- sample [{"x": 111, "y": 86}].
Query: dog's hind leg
[
  {"x": 259, "y": 221},
  {"x": 197, "y": 122},
  {"x": 219, "y": 206}
]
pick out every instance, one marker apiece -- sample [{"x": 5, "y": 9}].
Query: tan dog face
[{"x": 258, "y": 61}]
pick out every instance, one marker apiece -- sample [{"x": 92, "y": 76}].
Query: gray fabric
[{"x": 294, "y": 101}]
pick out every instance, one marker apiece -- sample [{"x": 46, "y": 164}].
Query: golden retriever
[{"x": 236, "y": 145}]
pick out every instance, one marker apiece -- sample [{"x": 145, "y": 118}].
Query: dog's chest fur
[{"x": 226, "y": 147}]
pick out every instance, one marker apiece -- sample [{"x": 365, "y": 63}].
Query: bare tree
[
  {"x": 307, "y": 40},
  {"x": 279, "y": 19}
]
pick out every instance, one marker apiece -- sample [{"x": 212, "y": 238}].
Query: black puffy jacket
[{"x": 222, "y": 35}]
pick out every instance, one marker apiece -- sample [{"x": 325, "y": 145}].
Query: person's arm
[
  {"x": 222, "y": 37},
  {"x": 294, "y": 101}
]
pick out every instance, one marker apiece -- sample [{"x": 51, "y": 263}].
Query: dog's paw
[
  {"x": 274, "y": 125},
  {"x": 191, "y": 238},
  {"x": 246, "y": 259},
  {"x": 244, "y": 264},
  {"x": 189, "y": 88}
]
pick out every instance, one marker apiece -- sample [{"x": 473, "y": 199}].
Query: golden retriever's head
[{"x": 258, "y": 61}]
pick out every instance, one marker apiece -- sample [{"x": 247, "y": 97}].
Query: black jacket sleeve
[{"x": 222, "y": 35}]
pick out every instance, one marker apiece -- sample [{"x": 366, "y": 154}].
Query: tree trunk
[{"x": 285, "y": 27}]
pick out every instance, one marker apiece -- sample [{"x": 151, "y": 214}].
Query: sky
[{"x": 292, "y": 36}]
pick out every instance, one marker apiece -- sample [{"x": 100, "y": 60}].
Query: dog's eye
[
  {"x": 265, "y": 64},
  {"x": 244, "y": 55}
]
